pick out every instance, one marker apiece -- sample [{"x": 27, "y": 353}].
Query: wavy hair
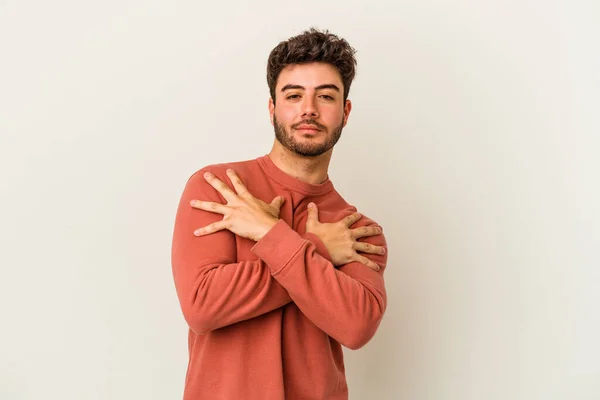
[{"x": 312, "y": 46}]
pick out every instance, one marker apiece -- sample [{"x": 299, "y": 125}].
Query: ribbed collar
[{"x": 290, "y": 182}]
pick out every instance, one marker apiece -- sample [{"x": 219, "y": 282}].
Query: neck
[{"x": 311, "y": 170}]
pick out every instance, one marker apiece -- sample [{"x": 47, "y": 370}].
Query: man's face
[{"x": 309, "y": 113}]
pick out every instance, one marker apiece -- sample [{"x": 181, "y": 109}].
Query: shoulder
[
  {"x": 220, "y": 169},
  {"x": 344, "y": 209},
  {"x": 244, "y": 169},
  {"x": 377, "y": 239},
  {"x": 364, "y": 220},
  {"x": 249, "y": 171}
]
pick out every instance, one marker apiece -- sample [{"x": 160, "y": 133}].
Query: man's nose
[{"x": 309, "y": 108}]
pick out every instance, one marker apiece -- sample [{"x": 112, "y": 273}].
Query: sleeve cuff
[
  {"x": 278, "y": 246},
  {"x": 321, "y": 249}
]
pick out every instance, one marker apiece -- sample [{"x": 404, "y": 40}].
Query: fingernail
[
  {"x": 382, "y": 251},
  {"x": 207, "y": 174},
  {"x": 197, "y": 233},
  {"x": 193, "y": 202},
  {"x": 311, "y": 205}
]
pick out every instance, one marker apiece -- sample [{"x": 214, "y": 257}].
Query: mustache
[{"x": 309, "y": 122}]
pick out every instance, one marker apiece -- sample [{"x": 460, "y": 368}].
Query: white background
[{"x": 473, "y": 140}]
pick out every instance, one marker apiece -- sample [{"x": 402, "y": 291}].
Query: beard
[{"x": 306, "y": 148}]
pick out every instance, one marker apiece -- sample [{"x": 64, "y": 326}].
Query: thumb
[
  {"x": 278, "y": 202},
  {"x": 313, "y": 213}
]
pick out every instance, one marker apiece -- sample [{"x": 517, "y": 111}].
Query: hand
[
  {"x": 340, "y": 241},
  {"x": 244, "y": 214}
]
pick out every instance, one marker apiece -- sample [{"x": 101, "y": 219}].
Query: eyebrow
[{"x": 326, "y": 86}]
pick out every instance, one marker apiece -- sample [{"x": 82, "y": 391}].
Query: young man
[{"x": 274, "y": 270}]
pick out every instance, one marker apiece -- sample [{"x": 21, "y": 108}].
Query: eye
[
  {"x": 327, "y": 97},
  {"x": 293, "y": 96}
]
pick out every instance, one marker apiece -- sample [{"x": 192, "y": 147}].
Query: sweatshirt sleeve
[
  {"x": 213, "y": 288},
  {"x": 319, "y": 245},
  {"x": 347, "y": 303}
]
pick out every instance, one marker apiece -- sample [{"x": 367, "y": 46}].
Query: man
[{"x": 274, "y": 270}]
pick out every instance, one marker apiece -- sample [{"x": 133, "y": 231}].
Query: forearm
[
  {"x": 216, "y": 295},
  {"x": 214, "y": 288},
  {"x": 348, "y": 304}
]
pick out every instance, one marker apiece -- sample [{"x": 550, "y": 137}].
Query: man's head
[{"x": 309, "y": 78}]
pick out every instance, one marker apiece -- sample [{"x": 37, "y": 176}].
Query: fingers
[
  {"x": 239, "y": 186},
  {"x": 209, "y": 206},
  {"x": 222, "y": 188},
  {"x": 364, "y": 260},
  {"x": 212, "y": 228},
  {"x": 364, "y": 231},
  {"x": 350, "y": 219},
  {"x": 369, "y": 248}
]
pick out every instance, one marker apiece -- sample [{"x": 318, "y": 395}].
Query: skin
[
  {"x": 304, "y": 155},
  {"x": 308, "y": 94}
]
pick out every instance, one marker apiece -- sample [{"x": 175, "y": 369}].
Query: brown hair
[{"x": 312, "y": 46}]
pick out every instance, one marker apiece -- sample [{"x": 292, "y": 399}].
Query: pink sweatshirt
[{"x": 267, "y": 319}]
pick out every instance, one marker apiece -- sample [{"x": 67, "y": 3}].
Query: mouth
[{"x": 308, "y": 128}]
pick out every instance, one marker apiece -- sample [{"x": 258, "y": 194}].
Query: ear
[
  {"x": 347, "y": 109},
  {"x": 271, "y": 109}
]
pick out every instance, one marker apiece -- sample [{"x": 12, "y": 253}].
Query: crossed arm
[{"x": 215, "y": 290}]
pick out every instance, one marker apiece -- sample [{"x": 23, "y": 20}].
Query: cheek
[
  {"x": 285, "y": 116},
  {"x": 333, "y": 116}
]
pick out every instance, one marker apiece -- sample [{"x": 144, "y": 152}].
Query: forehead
[{"x": 309, "y": 75}]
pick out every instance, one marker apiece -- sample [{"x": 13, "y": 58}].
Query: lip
[{"x": 308, "y": 128}]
